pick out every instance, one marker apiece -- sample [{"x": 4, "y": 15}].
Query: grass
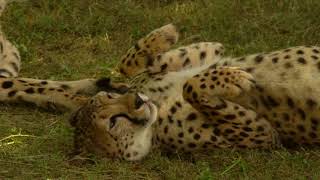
[{"x": 71, "y": 39}]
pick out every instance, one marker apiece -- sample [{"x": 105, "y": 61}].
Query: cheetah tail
[{"x": 3, "y": 4}]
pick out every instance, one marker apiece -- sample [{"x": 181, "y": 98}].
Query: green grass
[{"x": 72, "y": 39}]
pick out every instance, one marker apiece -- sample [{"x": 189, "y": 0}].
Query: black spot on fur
[
  {"x": 302, "y": 60},
  {"x": 190, "y": 130},
  {"x": 148, "y": 60},
  {"x": 205, "y": 126},
  {"x": 43, "y": 82},
  {"x": 160, "y": 120},
  {"x": 186, "y": 62},
  {"x": 7, "y": 84},
  {"x": 290, "y": 102},
  {"x": 173, "y": 109},
  {"x": 241, "y": 113},
  {"x": 314, "y": 121},
  {"x": 29, "y": 90},
  {"x": 40, "y": 90},
  {"x": 229, "y": 131},
  {"x": 196, "y": 136},
  {"x": 164, "y": 67},
  {"x": 230, "y": 117},
  {"x": 275, "y": 60},
  {"x": 213, "y": 138},
  {"x": 272, "y": 101},
  {"x": 300, "y": 52},
  {"x": 170, "y": 119},
  {"x": 247, "y": 129},
  {"x": 191, "y": 116},
  {"x": 12, "y": 93},
  {"x": 318, "y": 66},
  {"x": 180, "y": 135},
  {"x": 243, "y": 134},
  {"x": 166, "y": 129},
  {"x": 203, "y": 55},
  {"x": 316, "y": 51},
  {"x": 202, "y": 86},
  {"x": 249, "y": 70},
  {"x": 179, "y": 123},
  {"x": 311, "y": 103},
  {"x": 194, "y": 95},
  {"x": 258, "y": 59},
  {"x": 302, "y": 113},
  {"x": 301, "y": 128},
  {"x": 192, "y": 145},
  {"x": 137, "y": 47}
]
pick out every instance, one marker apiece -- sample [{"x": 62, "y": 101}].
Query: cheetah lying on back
[
  {"x": 191, "y": 99},
  {"x": 187, "y": 99}
]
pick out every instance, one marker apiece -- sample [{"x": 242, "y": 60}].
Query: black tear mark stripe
[
  {"x": 137, "y": 121},
  {"x": 1, "y": 47}
]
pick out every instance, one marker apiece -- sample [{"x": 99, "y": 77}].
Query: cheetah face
[{"x": 120, "y": 125}]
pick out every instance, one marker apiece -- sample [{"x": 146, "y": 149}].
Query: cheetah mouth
[{"x": 151, "y": 109}]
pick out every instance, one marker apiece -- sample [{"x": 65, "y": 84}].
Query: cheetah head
[{"x": 115, "y": 125}]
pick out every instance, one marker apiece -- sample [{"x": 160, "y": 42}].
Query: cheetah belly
[{"x": 288, "y": 99}]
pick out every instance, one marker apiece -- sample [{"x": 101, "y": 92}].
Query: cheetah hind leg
[{"x": 241, "y": 126}]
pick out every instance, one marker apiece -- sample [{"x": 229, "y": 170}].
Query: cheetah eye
[{"x": 112, "y": 123}]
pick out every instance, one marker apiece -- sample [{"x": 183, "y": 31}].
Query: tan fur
[
  {"x": 211, "y": 102},
  {"x": 9, "y": 55},
  {"x": 203, "y": 101}
]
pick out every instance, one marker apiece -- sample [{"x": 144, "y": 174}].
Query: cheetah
[
  {"x": 192, "y": 98},
  {"x": 186, "y": 99}
]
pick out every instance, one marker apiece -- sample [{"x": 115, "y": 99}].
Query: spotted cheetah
[{"x": 191, "y": 99}]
